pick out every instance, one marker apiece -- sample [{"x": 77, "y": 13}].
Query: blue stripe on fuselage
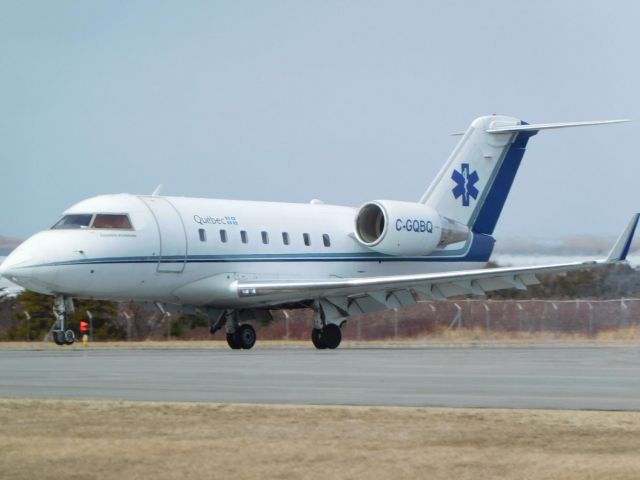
[{"x": 478, "y": 251}]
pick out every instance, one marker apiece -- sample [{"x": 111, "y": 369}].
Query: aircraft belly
[{"x": 207, "y": 291}]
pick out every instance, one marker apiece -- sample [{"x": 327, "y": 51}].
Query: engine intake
[
  {"x": 405, "y": 228},
  {"x": 370, "y": 223}
]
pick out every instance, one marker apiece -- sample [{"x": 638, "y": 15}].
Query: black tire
[
  {"x": 246, "y": 336},
  {"x": 69, "y": 337},
  {"x": 232, "y": 341},
  {"x": 316, "y": 338},
  {"x": 58, "y": 338},
  {"x": 331, "y": 335}
]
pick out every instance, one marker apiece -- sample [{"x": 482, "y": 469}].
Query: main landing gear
[
  {"x": 326, "y": 333},
  {"x": 62, "y": 307},
  {"x": 239, "y": 336},
  {"x": 328, "y": 336},
  {"x": 243, "y": 338},
  {"x": 327, "y": 324}
]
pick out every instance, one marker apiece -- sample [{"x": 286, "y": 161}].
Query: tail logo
[{"x": 465, "y": 184}]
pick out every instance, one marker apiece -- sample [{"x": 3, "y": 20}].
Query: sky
[{"x": 346, "y": 101}]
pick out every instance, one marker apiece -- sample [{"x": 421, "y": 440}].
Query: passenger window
[
  {"x": 223, "y": 236},
  {"x": 120, "y": 222},
  {"x": 202, "y": 234},
  {"x": 73, "y": 221},
  {"x": 307, "y": 239},
  {"x": 285, "y": 238},
  {"x": 243, "y": 236},
  {"x": 265, "y": 237},
  {"x": 326, "y": 240}
]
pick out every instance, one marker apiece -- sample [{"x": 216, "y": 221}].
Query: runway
[{"x": 513, "y": 377}]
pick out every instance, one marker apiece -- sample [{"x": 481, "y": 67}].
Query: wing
[{"x": 361, "y": 295}]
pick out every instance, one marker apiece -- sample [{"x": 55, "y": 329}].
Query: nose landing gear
[
  {"x": 66, "y": 337},
  {"x": 62, "y": 307}
]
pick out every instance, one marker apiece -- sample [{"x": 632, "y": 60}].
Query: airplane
[{"x": 238, "y": 261}]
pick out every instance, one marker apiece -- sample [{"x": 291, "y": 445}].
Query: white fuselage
[{"x": 175, "y": 251}]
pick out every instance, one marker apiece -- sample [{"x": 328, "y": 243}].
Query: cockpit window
[
  {"x": 73, "y": 221},
  {"x": 112, "y": 221}
]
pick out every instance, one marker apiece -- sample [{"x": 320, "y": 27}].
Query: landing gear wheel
[
  {"x": 62, "y": 307},
  {"x": 232, "y": 341},
  {"x": 331, "y": 335},
  {"x": 316, "y": 338},
  {"x": 58, "y": 338},
  {"x": 69, "y": 337},
  {"x": 246, "y": 336}
]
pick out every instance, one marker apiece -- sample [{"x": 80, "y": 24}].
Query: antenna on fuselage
[{"x": 157, "y": 191}]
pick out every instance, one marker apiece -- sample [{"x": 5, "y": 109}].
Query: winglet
[{"x": 621, "y": 248}]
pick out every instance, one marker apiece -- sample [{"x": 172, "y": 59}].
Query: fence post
[
  {"x": 625, "y": 313},
  {"x": 395, "y": 323},
  {"x": 433, "y": 313},
  {"x": 555, "y": 308},
  {"x": 487, "y": 318},
  {"x": 286, "y": 324},
  {"x": 127, "y": 317},
  {"x": 457, "y": 320},
  {"x": 519, "y": 305}
]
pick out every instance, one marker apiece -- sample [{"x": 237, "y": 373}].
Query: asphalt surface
[{"x": 605, "y": 378}]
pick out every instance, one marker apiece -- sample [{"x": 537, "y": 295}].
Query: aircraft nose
[{"x": 16, "y": 264}]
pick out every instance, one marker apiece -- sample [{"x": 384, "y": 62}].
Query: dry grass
[
  {"x": 153, "y": 344},
  {"x": 441, "y": 338},
  {"x": 47, "y": 439},
  {"x": 629, "y": 335}
]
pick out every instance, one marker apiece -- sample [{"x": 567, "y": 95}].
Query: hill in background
[{"x": 7, "y": 244}]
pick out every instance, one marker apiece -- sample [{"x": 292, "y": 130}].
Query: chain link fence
[{"x": 575, "y": 317}]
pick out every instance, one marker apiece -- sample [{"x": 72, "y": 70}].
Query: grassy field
[
  {"x": 445, "y": 338},
  {"x": 71, "y": 439}
]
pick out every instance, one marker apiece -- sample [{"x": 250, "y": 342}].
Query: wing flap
[
  {"x": 366, "y": 305},
  {"x": 447, "y": 284}
]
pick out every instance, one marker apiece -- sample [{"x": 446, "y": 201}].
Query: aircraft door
[{"x": 173, "y": 238}]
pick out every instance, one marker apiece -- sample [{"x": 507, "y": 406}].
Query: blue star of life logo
[{"x": 465, "y": 184}]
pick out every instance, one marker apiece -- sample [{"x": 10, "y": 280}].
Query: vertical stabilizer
[{"x": 473, "y": 185}]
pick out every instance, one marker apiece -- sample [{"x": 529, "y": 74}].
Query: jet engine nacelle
[{"x": 405, "y": 228}]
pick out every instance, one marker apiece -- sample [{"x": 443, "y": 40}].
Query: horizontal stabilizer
[{"x": 548, "y": 126}]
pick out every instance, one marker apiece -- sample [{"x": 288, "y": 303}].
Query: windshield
[
  {"x": 73, "y": 221},
  {"x": 111, "y": 221},
  {"x": 100, "y": 220}
]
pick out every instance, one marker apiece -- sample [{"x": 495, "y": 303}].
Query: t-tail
[{"x": 473, "y": 185}]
